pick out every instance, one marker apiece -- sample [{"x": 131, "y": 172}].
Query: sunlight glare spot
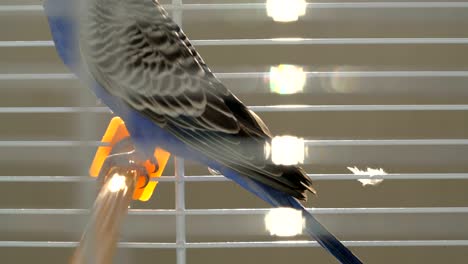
[
  {"x": 284, "y": 222},
  {"x": 117, "y": 183},
  {"x": 286, "y": 10},
  {"x": 287, "y": 150},
  {"x": 287, "y": 79}
]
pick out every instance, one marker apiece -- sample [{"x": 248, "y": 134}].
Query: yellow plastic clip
[{"x": 115, "y": 132}]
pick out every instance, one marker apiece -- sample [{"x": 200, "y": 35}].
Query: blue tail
[
  {"x": 326, "y": 239},
  {"x": 313, "y": 227}
]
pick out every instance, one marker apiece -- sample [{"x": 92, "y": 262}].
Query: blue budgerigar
[{"x": 141, "y": 64}]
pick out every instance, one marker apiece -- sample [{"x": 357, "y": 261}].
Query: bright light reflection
[
  {"x": 339, "y": 83},
  {"x": 286, "y": 10},
  {"x": 284, "y": 222},
  {"x": 117, "y": 183},
  {"x": 287, "y": 150},
  {"x": 287, "y": 39},
  {"x": 370, "y": 172},
  {"x": 287, "y": 79}
]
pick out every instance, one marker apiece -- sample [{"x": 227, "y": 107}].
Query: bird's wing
[{"x": 141, "y": 56}]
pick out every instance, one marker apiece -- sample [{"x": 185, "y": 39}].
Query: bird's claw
[
  {"x": 154, "y": 161},
  {"x": 147, "y": 179},
  {"x": 125, "y": 145}
]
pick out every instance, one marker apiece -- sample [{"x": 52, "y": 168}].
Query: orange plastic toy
[{"x": 115, "y": 132}]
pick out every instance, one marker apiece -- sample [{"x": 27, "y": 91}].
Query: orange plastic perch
[{"x": 115, "y": 132}]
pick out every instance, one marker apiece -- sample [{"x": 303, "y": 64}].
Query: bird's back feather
[{"x": 138, "y": 54}]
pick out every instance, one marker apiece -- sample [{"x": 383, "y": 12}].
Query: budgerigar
[{"x": 143, "y": 67}]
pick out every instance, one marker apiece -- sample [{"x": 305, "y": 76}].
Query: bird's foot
[
  {"x": 126, "y": 145},
  {"x": 123, "y": 145},
  {"x": 125, "y": 161}
]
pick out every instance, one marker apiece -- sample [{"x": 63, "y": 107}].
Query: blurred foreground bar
[{"x": 111, "y": 206}]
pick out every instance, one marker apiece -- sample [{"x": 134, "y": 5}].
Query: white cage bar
[
  {"x": 248, "y": 6},
  {"x": 180, "y": 211}
]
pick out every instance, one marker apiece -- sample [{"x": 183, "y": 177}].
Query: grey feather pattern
[{"x": 137, "y": 53}]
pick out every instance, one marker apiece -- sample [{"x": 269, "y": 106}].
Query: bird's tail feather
[
  {"x": 313, "y": 227},
  {"x": 326, "y": 239}
]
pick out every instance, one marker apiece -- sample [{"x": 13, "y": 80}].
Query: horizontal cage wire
[
  {"x": 262, "y": 6},
  {"x": 285, "y": 41},
  {"x": 182, "y": 211}
]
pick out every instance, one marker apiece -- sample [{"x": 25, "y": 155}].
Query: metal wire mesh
[{"x": 180, "y": 211}]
